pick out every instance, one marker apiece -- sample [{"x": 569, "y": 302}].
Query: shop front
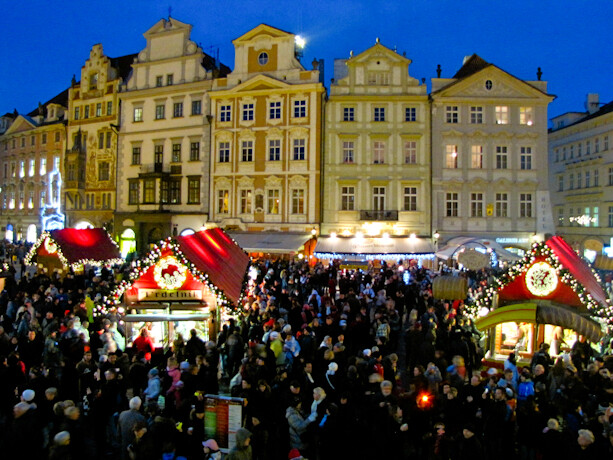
[
  {"x": 549, "y": 296},
  {"x": 186, "y": 282}
]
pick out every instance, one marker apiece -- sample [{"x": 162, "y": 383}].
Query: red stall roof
[
  {"x": 89, "y": 245},
  {"x": 213, "y": 252}
]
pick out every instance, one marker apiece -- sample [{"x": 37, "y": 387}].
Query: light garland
[
  {"x": 334, "y": 255},
  {"x": 167, "y": 280},
  {"x": 483, "y": 302}
]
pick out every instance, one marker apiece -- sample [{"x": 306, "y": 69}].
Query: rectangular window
[
  {"x": 560, "y": 183},
  {"x": 133, "y": 192},
  {"x": 410, "y": 199},
  {"x": 502, "y": 115},
  {"x": 273, "y": 201},
  {"x": 588, "y": 147},
  {"x": 164, "y": 191},
  {"x": 176, "y": 153},
  {"x": 71, "y": 171},
  {"x": 502, "y": 205},
  {"x": 177, "y": 109},
  {"x": 77, "y": 111},
  {"x": 22, "y": 168},
  {"x": 379, "y": 114},
  {"x": 561, "y": 217},
  {"x": 476, "y": 205},
  {"x": 246, "y": 201},
  {"x": 525, "y": 205},
  {"x": 347, "y": 198},
  {"x": 410, "y": 114},
  {"x": 476, "y": 157},
  {"x": 169, "y": 79},
  {"x": 224, "y": 152},
  {"x": 175, "y": 191},
  {"x": 104, "y": 171},
  {"x": 572, "y": 151},
  {"x": 610, "y": 217},
  {"x": 135, "y": 155},
  {"x": 348, "y": 152},
  {"x": 452, "y": 114},
  {"x": 476, "y": 115},
  {"x": 247, "y": 151},
  {"x": 31, "y": 199},
  {"x": 43, "y": 199},
  {"x": 197, "y": 107},
  {"x": 588, "y": 180},
  {"x": 526, "y": 116},
  {"x": 348, "y": 114},
  {"x": 57, "y": 137},
  {"x": 596, "y": 178},
  {"x": 23, "y": 141},
  {"x": 108, "y": 139},
  {"x": 452, "y": 203},
  {"x": 571, "y": 181},
  {"x": 225, "y": 113},
  {"x": 300, "y": 109},
  {"x": 410, "y": 152},
  {"x": 159, "y": 80},
  {"x": 378, "y": 198},
  {"x": 32, "y": 167},
  {"x": 525, "y": 158},
  {"x": 223, "y": 205},
  {"x": 298, "y": 201},
  {"x": 43, "y": 140},
  {"x": 274, "y": 150},
  {"x": 299, "y": 149},
  {"x": 605, "y": 143},
  {"x": 159, "y": 111},
  {"x": 158, "y": 157},
  {"x": 149, "y": 191},
  {"x": 248, "y": 112},
  {"x": 33, "y": 140},
  {"x": 597, "y": 145},
  {"x": 109, "y": 108},
  {"x": 579, "y": 180},
  {"x": 43, "y": 166},
  {"x": 194, "y": 151},
  {"x": 101, "y": 140},
  {"x": 579, "y": 149},
  {"x": 451, "y": 156},
  {"x": 138, "y": 114},
  {"x": 99, "y": 109},
  {"x": 86, "y": 114},
  {"x": 610, "y": 176},
  {"x": 378, "y": 152},
  {"x": 501, "y": 157}
]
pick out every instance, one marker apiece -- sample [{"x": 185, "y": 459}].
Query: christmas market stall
[
  {"x": 71, "y": 248},
  {"x": 181, "y": 285},
  {"x": 550, "y": 296}
]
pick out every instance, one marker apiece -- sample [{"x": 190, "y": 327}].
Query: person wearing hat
[
  {"x": 294, "y": 454},
  {"x": 469, "y": 446},
  {"x": 211, "y": 450},
  {"x": 242, "y": 448}
]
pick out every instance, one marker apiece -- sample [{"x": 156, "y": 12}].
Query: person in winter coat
[
  {"x": 242, "y": 449},
  {"x": 297, "y": 423},
  {"x": 154, "y": 386},
  {"x": 211, "y": 450}
]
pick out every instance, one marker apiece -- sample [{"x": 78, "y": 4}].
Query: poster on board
[{"x": 223, "y": 416}]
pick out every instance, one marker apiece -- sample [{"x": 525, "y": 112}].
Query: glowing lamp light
[
  {"x": 300, "y": 41},
  {"x": 359, "y": 235},
  {"x": 386, "y": 235},
  {"x": 412, "y": 236},
  {"x": 346, "y": 232},
  {"x": 333, "y": 235}
]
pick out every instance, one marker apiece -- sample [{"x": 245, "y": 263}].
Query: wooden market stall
[
  {"x": 73, "y": 248},
  {"x": 550, "y": 296},
  {"x": 181, "y": 285}
]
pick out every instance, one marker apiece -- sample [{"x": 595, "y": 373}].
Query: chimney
[{"x": 592, "y": 104}]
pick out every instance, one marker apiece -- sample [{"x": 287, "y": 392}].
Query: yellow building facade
[
  {"x": 267, "y": 138},
  {"x": 91, "y": 156}
]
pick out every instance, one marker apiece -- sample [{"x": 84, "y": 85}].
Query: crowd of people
[{"x": 329, "y": 363}]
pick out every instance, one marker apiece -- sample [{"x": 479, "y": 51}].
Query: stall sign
[
  {"x": 222, "y": 418},
  {"x": 157, "y": 295}
]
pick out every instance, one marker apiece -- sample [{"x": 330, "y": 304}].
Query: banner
[{"x": 223, "y": 416}]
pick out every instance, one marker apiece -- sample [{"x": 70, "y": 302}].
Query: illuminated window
[
  {"x": 410, "y": 199},
  {"x": 502, "y": 205},
  {"x": 246, "y": 201},
  {"x": 32, "y": 167},
  {"x": 43, "y": 166},
  {"x": 223, "y": 205},
  {"x": 193, "y": 190},
  {"x": 347, "y": 198},
  {"x": 378, "y": 198},
  {"x": 526, "y": 116},
  {"x": 502, "y": 115},
  {"x": 273, "y": 201},
  {"x": 22, "y": 168},
  {"x": 451, "y": 156},
  {"x": 138, "y": 114},
  {"x": 476, "y": 157}
]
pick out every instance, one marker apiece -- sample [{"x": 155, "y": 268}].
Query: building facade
[
  {"x": 163, "y": 170},
  {"x": 91, "y": 152},
  {"x": 266, "y": 148},
  {"x": 376, "y": 175},
  {"x": 489, "y": 156},
  {"x": 31, "y": 150},
  {"x": 581, "y": 176}
]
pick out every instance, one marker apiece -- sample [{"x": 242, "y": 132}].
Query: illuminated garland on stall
[
  {"x": 52, "y": 247},
  {"x": 334, "y": 255},
  {"x": 482, "y": 304},
  {"x": 143, "y": 265}
]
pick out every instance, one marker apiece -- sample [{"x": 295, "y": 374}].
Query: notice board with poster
[{"x": 223, "y": 416}]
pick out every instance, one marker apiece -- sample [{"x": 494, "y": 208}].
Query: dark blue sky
[{"x": 46, "y": 42}]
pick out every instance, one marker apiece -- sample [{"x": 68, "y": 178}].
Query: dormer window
[{"x": 93, "y": 81}]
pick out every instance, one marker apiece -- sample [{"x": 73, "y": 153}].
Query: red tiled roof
[
  {"x": 83, "y": 244},
  {"x": 213, "y": 252}
]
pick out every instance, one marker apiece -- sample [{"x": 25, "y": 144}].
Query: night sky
[{"x": 45, "y": 42}]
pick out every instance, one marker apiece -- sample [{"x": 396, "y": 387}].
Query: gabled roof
[
  {"x": 262, "y": 29},
  {"x": 378, "y": 47},
  {"x": 20, "y": 122},
  {"x": 472, "y": 65},
  {"x": 77, "y": 246},
  {"x": 607, "y": 108},
  {"x": 60, "y": 99},
  {"x": 213, "y": 252}
]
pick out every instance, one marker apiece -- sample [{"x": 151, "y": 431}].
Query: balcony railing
[
  {"x": 378, "y": 215},
  {"x": 154, "y": 168}
]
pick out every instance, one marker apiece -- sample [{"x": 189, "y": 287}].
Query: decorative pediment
[
  {"x": 273, "y": 181},
  {"x": 245, "y": 182},
  {"x": 165, "y": 25},
  {"x": 263, "y": 30},
  {"x": 298, "y": 181},
  {"x": 378, "y": 52},
  {"x": 20, "y": 124},
  {"x": 261, "y": 82}
]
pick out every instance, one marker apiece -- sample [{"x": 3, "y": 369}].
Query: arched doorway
[
  {"x": 155, "y": 236},
  {"x": 31, "y": 234},
  {"x": 127, "y": 243}
]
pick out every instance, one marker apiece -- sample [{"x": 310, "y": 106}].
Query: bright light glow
[
  {"x": 412, "y": 236},
  {"x": 346, "y": 232},
  {"x": 386, "y": 235},
  {"x": 436, "y": 235},
  {"x": 372, "y": 229},
  {"x": 333, "y": 235},
  {"x": 83, "y": 225},
  {"x": 300, "y": 41},
  {"x": 590, "y": 255},
  {"x": 253, "y": 272},
  {"x": 359, "y": 235},
  {"x": 313, "y": 231},
  {"x": 301, "y": 256}
]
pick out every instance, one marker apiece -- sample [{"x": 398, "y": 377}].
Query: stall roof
[
  {"x": 79, "y": 245},
  {"x": 384, "y": 247},
  {"x": 452, "y": 247},
  {"x": 273, "y": 243},
  {"x": 213, "y": 252}
]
